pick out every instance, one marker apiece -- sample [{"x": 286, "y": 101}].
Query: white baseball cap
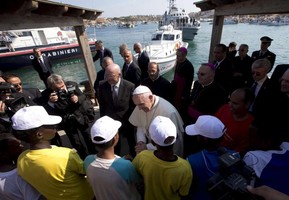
[
  {"x": 163, "y": 131},
  {"x": 106, "y": 128},
  {"x": 141, "y": 89},
  {"x": 33, "y": 117},
  {"x": 207, "y": 126}
]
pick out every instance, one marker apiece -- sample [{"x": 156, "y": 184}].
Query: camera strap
[{"x": 206, "y": 164}]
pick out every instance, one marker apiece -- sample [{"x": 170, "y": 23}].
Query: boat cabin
[
  {"x": 27, "y": 38},
  {"x": 167, "y": 33}
]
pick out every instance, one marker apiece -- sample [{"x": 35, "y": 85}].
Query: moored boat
[
  {"x": 179, "y": 19},
  {"x": 53, "y": 42},
  {"x": 163, "y": 46}
]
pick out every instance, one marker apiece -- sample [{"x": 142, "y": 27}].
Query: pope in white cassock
[{"x": 148, "y": 106}]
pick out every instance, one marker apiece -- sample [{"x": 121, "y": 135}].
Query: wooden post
[
  {"x": 216, "y": 34},
  {"x": 88, "y": 62}
]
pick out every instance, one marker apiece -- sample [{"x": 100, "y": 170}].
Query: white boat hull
[
  {"x": 165, "y": 64},
  {"x": 190, "y": 32}
]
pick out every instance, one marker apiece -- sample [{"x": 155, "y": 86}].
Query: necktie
[
  {"x": 216, "y": 65},
  {"x": 253, "y": 88},
  {"x": 43, "y": 66},
  {"x": 114, "y": 94},
  {"x": 125, "y": 69}
]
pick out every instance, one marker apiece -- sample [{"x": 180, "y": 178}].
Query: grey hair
[
  {"x": 262, "y": 63},
  {"x": 54, "y": 79}
]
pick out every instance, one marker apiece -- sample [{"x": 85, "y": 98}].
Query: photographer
[{"x": 66, "y": 100}]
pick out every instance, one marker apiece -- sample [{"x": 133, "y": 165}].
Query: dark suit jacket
[
  {"x": 124, "y": 107},
  {"x": 143, "y": 62},
  {"x": 32, "y": 93},
  {"x": 262, "y": 105},
  {"x": 98, "y": 55},
  {"x": 36, "y": 65},
  {"x": 99, "y": 77},
  {"x": 224, "y": 75},
  {"x": 132, "y": 74},
  {"x": 269, "y": 55},
  {"x": 160, "y": 87},
  {"x": 242, "y": 73}
]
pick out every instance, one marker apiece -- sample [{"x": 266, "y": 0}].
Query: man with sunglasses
[
  {"x": 33, "y": 94},
  {"x": 264, "y": 51}
]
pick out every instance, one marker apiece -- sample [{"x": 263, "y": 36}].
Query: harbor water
[{"x": 198, "y": 50}]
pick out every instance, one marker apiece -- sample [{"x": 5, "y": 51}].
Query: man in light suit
[
  {"x": 42, "y": 65},
  {"x": 101, "y": 52},
  {"x": 264, "y": 51},
  {"x": 118, "y": 106},
  {"x": 130, "y": 70},
  {"x": 142, "y": 60}
]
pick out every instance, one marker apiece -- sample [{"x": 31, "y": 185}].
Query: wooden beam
[
  {"x": 50, "y": 9},
  {"x": 88, "y": 62},
  {"x": 36, "y": 21},
  {"x": 254, "y": 7},
  {"x": 216, "y": 35},
  {"x": 73, "y": 12}
]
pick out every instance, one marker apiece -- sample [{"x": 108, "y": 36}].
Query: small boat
[
  {"x": 125, "y": 25},
  {"x": 179, "y": 19},
  {"x": 163, "y": 47},
  {"x": 53, "y": 42}
]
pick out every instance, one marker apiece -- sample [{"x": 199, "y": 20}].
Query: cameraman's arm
[
  {"x": 2, "y": 107},
  {"x": 268, "y": 193},
  {"x": 80, "y": 96},
  {"x": 53, "y": 97}
]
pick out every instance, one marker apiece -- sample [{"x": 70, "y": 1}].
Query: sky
[{"x": 118, "y": 8}]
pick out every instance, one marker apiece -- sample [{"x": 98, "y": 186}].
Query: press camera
[
  {"x": 65, "y": 95},
  {"x": 12, "y": 99},
  {"x": 232, "y": 179}
]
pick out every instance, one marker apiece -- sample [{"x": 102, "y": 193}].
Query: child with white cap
[
  {"x": 56, "y": 172},
  {"x": 111, "y": 177},
  {"x": 166, "y": 176},
  {"x": 210, "y": 131}
]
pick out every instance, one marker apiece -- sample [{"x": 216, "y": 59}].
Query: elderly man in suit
[
  {"x": 101, "y": 52},
  {"x": 264, "y": 51},
  {"x": 115, "y": 101},
  {"x": 42, "y": 65},
  {"x": 142, "y": 60}
]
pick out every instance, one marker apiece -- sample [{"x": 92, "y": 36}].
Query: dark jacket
[
  {"x": 268, "y": 54},
  {"x": 98, "y": 55},
  {"x": 132, "y": 73},
  {"x": 143, "y": 62},
  {"x": 37, "y": 66}
]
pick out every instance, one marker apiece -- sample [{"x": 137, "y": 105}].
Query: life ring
[
  {"x": 177, "y": 46},
  {"x": 59, "y": 34}
]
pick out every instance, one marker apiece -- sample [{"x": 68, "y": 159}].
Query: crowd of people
[{"x": 153, "y": 139}]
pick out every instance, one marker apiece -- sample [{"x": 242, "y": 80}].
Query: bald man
[{"x": 115, "y": 101}]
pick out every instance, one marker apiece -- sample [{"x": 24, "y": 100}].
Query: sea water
[{"x": 198, "y": 50}]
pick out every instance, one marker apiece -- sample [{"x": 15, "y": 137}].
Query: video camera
[
  {"x": 232, "y": 179},
  {"x": 65, "y": 95},
  {"x": 12, "y": 98},
  {"x": 6, "y": 89}
]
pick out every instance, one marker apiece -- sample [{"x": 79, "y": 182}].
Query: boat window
[
  {"x": 168, "y": 37},
  {"x": 157, "y": 37},
  {"x": 23, "y": 33}
]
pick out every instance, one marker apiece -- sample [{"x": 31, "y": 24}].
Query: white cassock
[{"x": 142, "y": 121}]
